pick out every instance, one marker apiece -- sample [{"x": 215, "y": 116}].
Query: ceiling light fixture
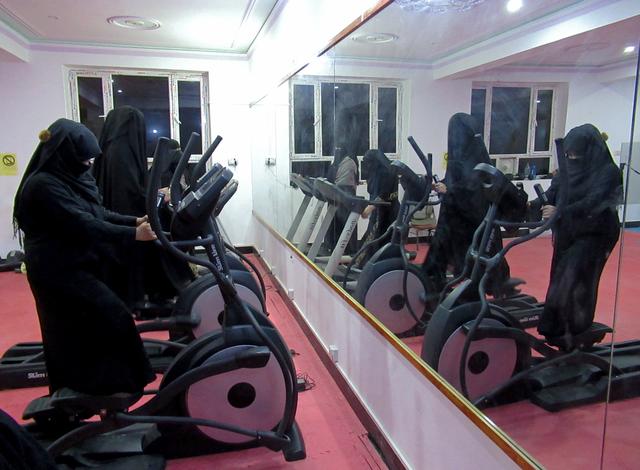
[
  {"x": 514, "y": 5},
  {"x": 437, "y": 6},
  {"x": 375, "y": 38},
  {"x": 134, "y": 22},
  {"x": 629, "y": 49}
]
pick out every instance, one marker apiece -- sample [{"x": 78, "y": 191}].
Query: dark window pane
[
  {"x": 151, "y": 96},
  {"x": 91, "y": 104},
  {"x": 543, "y": 120},
  {"x": 345, "y": 118},
  {"x": 387, "y": 114},
  {"x": 304, "y": 133},
  {"x": 478, "y": 100},
  {"x": 312, "y": 169},
  {"x": 189, "y": 112},
  {"x": 509, "y": 120}
]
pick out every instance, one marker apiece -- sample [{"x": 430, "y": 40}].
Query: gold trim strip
[{"x": 497, "y": 436}]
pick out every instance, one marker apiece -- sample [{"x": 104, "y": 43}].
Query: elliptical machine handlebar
[
  {"x": 176, "y": 190},
  {"x": 202, "y": 163},
  {"x": 426, "y": 161}
]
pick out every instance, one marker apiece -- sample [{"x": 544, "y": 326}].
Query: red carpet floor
[
  {"x": 334, "y": 437},
  {"x": 574, "y": 438}
]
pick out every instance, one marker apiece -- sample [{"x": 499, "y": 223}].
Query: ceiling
[
  {"x": 425, "y": 38},
  {"x": 200, "y": 25}
]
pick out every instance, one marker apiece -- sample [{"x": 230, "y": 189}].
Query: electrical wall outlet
[
  {"x": 269, "y": 161},
  {"x": 333, "y": 352}
]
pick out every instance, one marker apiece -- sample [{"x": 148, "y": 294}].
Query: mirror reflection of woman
[
  {"x": 382, "y": 186},
  {"x": 343, "y": 172},
  {"x": 463, "y": 208},
  {"x": 585, "y": 233}
]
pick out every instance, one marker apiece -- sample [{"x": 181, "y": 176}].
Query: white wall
[
  {"x": 35, "y": 93},
  {"x": 425, "y": 428}
]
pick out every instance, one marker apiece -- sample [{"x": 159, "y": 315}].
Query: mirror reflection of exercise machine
[
  {"x": 483, "y": 351},
  {"x": 390, "y": 287}
]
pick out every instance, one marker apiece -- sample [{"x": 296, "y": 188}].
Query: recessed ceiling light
[
  {"x": 375, "y": 38},
  {"x": 155, "y": 131},
  {"x": 119, "y": 91},
  {"x": 629, "y": 49},
  {"x": 134, "y": 22},
  {"x": 514, "y": 5}
]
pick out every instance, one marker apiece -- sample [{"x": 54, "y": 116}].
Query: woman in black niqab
[
  {"x": 462, "y": 209},
  {"x": 382, "y": 185},
  {"x": 121, "y": 175},
  {"x": 89, "y": 337},
  {"x": 121, "y": 170},
  {"x": 586, "y": 231}
]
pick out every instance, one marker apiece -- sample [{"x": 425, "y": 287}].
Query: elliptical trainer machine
[
  {"x": 198, "y": 309},
  {"x": 389, "y": 286},
  {"x": 483, "y": 350},
  {"x": 231, "y": 389}
]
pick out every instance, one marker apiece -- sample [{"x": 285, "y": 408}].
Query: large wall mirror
[{"x": 523, "y": 147}]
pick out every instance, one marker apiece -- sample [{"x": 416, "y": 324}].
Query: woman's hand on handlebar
[
  {"x": 144, "y": 233},
  {"x": 548, "y": 211},
  {"x": 439, "y": 188},
  {"x": 167, "y": 194},
  {"x": 367, "y": 211}
]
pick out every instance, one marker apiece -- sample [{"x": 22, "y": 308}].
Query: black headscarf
[
  {"x": 465, "y": 149},
  {"x": 170, "y": 163},
  {"x": 381, "y": 179},
  {"x": 63, "y": 150},
  {"x": 595, "y": 181},
  {"x": 122, "y": 169}
]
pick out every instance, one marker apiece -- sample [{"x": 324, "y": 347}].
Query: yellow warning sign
[{"x": 8, "y": 164}]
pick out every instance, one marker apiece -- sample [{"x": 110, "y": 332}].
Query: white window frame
[
  {"x": 317, "y": 81},
  {"x": 173, "y": 78},
  {"x": 514, "y": 159}
]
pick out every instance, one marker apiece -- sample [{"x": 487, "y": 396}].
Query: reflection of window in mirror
[
  {"x": 517, "y": 122},
  {"x": 353, "y": 114}
]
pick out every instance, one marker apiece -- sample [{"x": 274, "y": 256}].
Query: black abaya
[
  {"x": 121, "y": 174},
  {"x": 586, "y": 231},
  {"x": 382, "y": 186},
  {"x": 462, "y": 209},
  {"x": 90, "y": 340}
]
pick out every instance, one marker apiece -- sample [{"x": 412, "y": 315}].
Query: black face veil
[
  {"x": 121, "y": 171},
  {"x": 64, "y": 150},
  {"x": 465, "y": 148},
  {"x": 592, "y": 173}
]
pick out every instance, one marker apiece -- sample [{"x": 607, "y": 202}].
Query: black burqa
[
  {"x": 121, "y": 175},
  {"x": 18, "y": 448},
  {"x": 335, "y": 174},
  {"x": 462, "y": 209},
  {"x": 121, "y": 170},
  {"x": 90, "y": 340},
  {"x": 382, "y": 185},
  {"x": 585, "y": 233}
]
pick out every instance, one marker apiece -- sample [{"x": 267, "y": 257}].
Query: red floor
[
  {"x": 334, "y": 437},
  {"x": 573, "y": 439}
]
